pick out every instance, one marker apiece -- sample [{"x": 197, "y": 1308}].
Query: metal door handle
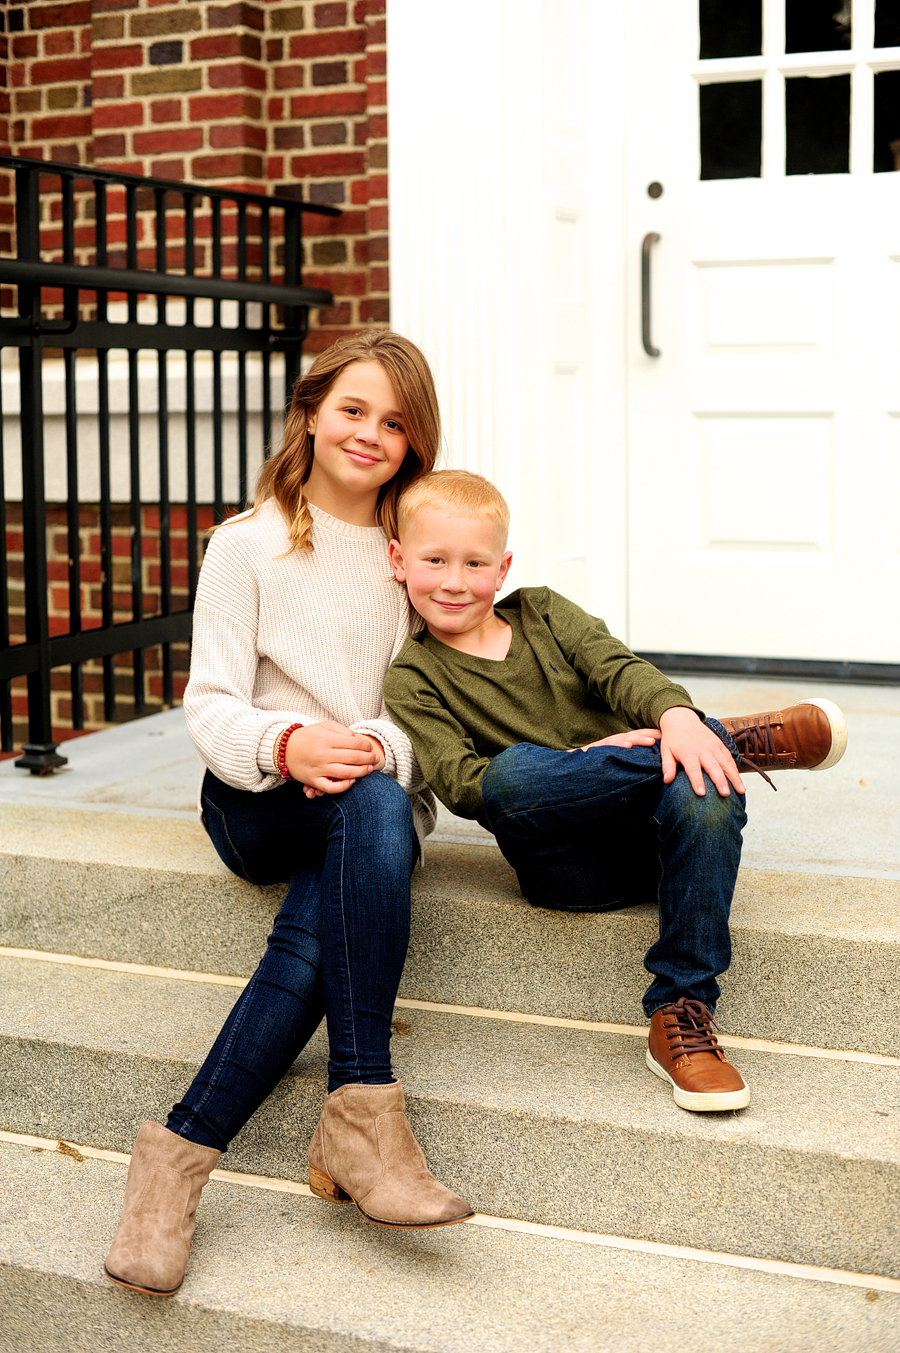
[{"x": 648, "y": 243}]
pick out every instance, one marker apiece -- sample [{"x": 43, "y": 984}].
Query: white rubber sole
[
  {"x": 730, "y": 1099},
  {"x": 838, "y": 724}
]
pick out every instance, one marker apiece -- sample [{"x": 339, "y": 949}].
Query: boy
[{"x": 601, "y": 781}]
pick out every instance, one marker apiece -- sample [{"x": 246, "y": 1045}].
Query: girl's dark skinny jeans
[{"x": 336, "y": 949}]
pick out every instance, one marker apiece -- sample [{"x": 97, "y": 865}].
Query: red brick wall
[{"x": 274, "y": 96}]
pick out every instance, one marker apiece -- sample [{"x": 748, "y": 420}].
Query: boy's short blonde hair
[{"x": 458, "y": 491}]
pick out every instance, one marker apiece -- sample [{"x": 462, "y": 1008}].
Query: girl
[{"x": 296, "y": 620}]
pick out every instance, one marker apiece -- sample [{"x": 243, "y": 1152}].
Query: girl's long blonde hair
[{"x": 282, "y": 476}]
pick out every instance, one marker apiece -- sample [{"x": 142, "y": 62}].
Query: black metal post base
[{"x": 41, "y": 758}]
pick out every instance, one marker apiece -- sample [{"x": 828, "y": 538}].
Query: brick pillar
[
  {"x": 377, "y": 304},
  {"x": 279, "y": 96},
  {"x": 282, "y": 97},
  {"x": 48, "y": 69},
  {"x": 178, "y": 90}
]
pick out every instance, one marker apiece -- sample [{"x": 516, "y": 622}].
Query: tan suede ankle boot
[
  {"x": 364, "y": 1151},
  {"x": 165, "y": 1179}
]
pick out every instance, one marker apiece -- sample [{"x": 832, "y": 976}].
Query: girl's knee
[
  {"x": 379, "y": 810},
  {"x": 384, "y": 796}
]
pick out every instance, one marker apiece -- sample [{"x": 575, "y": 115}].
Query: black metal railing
[{"x": 155, "y": 232}]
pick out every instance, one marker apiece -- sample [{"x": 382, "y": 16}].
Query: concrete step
[
  {"x": 556, "y": 1125},
  {"x": 816, "y": 956},
  {"x": 275, "y": 1272}
]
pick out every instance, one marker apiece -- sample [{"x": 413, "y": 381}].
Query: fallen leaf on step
[{"x": 68, "y": 1150}]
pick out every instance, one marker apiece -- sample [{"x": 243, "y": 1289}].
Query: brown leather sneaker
[
  {"x": 811, "y": 735},
  {"x": 683, "y": 1050}
]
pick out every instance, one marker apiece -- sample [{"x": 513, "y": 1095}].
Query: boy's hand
[
  {"x": 687, "y": 741},
  {"x": 326, "y": 757},
  {"x": 635, "y": 737}
]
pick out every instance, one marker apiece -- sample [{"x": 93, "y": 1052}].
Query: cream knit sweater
[{"x": 282, "y": 638}]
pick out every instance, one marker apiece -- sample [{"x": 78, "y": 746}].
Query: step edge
[
  {"x": 466, "y": 1011},
  {"x": 809, "y": 1272}
]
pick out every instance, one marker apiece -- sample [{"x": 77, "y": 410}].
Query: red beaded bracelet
[{"x": 281, "y": 743}]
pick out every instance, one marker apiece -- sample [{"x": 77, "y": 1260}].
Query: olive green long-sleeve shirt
[{"x": 564, "y": 682}]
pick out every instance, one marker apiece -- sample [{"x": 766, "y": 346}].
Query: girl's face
[{"x": 360, "y": 443}]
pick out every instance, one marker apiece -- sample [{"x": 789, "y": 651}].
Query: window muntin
[{"x": 825, "y": 109}]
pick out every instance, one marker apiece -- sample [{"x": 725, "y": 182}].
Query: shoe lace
[
  {"x": 694, "y": 1028},
  {"x": 756, "y": 746}
]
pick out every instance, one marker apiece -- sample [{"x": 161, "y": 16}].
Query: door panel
[{"x": 763, "y": 441}]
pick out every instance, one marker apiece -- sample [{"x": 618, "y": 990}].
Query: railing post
[
  {"x": 40, "y": 754},
  {"x": 293, "y": 267}
]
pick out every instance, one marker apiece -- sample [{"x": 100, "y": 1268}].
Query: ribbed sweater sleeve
[
  {"x": 400, "y": 759},
  {"x": 232, "y": 736},
  {"x": 282, "y": 637}
]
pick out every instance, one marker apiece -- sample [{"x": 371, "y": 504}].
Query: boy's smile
[{"x": 453, "y": 567}]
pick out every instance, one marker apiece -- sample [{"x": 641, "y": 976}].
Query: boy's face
[{"x": 453, "y": 567}]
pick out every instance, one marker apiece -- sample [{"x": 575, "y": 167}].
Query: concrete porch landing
[{"x": 842, "y": 821}]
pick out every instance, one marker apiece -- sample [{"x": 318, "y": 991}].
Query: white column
[{"x": 507, "y": 216}]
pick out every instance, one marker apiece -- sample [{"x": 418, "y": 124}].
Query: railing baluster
[
  {"x": 40, "y": 755},
  {"x": 73, "y": 534},
  {"x": 242, "y": 360},
  {"x": 190, "y": 408},
  {"x": 6, "y": 723},
  {"x": 293, "y": 260},
  {"x": 265, "y": 244},
  {"x": 103, "y": 438},
  {"x": 217, "y": 430},
  {"x": 162, "y": 415},
  {"x": 73, "y": 501},
  {"x": 134, "y": 449}
]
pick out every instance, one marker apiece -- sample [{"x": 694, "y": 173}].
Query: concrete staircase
[{"x": 610, "y": 1219}]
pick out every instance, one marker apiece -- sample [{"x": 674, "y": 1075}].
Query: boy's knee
[
  {"x": 711, "y": 811},
  {"x": 504, "y": 780},
  {"x": 499, "y": 778}
]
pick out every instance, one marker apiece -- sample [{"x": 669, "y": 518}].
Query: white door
[{"x": 764, "y": 440}]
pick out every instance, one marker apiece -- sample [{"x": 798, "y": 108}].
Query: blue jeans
[
  {"x": 337, "y": 947},
  {"x": 598, "y": 830}
]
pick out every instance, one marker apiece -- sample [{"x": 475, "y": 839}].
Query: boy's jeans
[{"x": 596, "y": 830}]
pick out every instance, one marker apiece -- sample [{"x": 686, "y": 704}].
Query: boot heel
[{"x": 323, "y": 1187}]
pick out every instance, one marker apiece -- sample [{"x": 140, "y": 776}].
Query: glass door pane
[
  {"x": 817, "y": 25},
  {"x": 817, "y": 124}
]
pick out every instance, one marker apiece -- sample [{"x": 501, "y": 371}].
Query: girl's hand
[
  {"x": 326, "y": 757},
  {"x": 377, "y": 748},
  {"x": 687, "y": 741},
  {"x": 635, "y": 737}
]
